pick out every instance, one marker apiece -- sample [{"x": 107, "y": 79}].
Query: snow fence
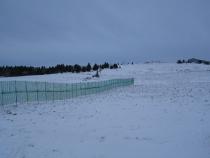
[{"x": 14, "y": 92}]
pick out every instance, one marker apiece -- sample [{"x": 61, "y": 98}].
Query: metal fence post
[
  {"x": 45, "y": 91},
  {"x": 26, "y": 89},
  {"x": 2, "y": 95},
  {"x": 60, "y": 93},
  {"x": 53, "y": 92},
  {"x": 95, "y": 88},
  {"x": 37, "y": 93},
  {"x": 71, "y": 90},
  {"x": 76, "y": 89},
  {"x": 16, "y": 93},
  {"x": 86, "y": 86},
  {"x": 66, "y": 91}
]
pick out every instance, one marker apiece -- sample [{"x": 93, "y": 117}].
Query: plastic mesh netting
[{"x": 14, "y": 92}]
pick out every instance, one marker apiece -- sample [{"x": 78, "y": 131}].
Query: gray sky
[{"x": 48, "y": 32}]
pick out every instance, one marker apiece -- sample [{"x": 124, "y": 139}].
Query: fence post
[
  {"x": 16, "y": 93},
  {"x": 107, "y": 85},
  {"x": 80, "y": 89},
  {"x": 37, "y": 94},
  {"x": 95, "y": 87},
  {"x": 45, "y": 91},
  {"x": 66, "y": 91},
  {"x": 85, "y": 87},
  {"x": 98, "y": 89},
  {"x": 76, "y": 89},
  {"x": 60, "y": 93},
  {"x": 71, "y": 90},
  {"x": 53, "y": 92},
  {"x": 2, "y": 95},
  {"x": 26, "y": 88},
  {"x": 111, "y": 82}
]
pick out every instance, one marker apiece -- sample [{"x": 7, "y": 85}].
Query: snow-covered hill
[{"x": 165, "y": 114}]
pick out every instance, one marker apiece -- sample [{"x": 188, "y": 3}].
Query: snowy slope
[{"x": 165, "y": 114}]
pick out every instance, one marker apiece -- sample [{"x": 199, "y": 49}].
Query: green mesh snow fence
[{"x": 14, "y": 92}]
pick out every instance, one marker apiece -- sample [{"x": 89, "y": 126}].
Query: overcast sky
[{"x": 48, "y": 32}]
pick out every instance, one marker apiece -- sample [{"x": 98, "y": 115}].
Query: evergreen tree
[
  {"x": 77, "y": 68},
  {"x": 179, "y": 62},
  {"x": 115, "y": 66},
  {"x": 88, "y": 67},
  {"x": 84, "y": 69},
  {"x": 95, "y": 67}
]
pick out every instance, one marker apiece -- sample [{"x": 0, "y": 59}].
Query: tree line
[
  {"x": 9, "y": 71},
  {"x": 193, "y": 60}
]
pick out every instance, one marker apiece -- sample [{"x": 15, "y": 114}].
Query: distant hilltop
[{"x": 193, "y": 60}]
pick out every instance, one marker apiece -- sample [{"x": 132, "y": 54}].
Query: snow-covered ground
[{"x": 165, "y": 114}]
